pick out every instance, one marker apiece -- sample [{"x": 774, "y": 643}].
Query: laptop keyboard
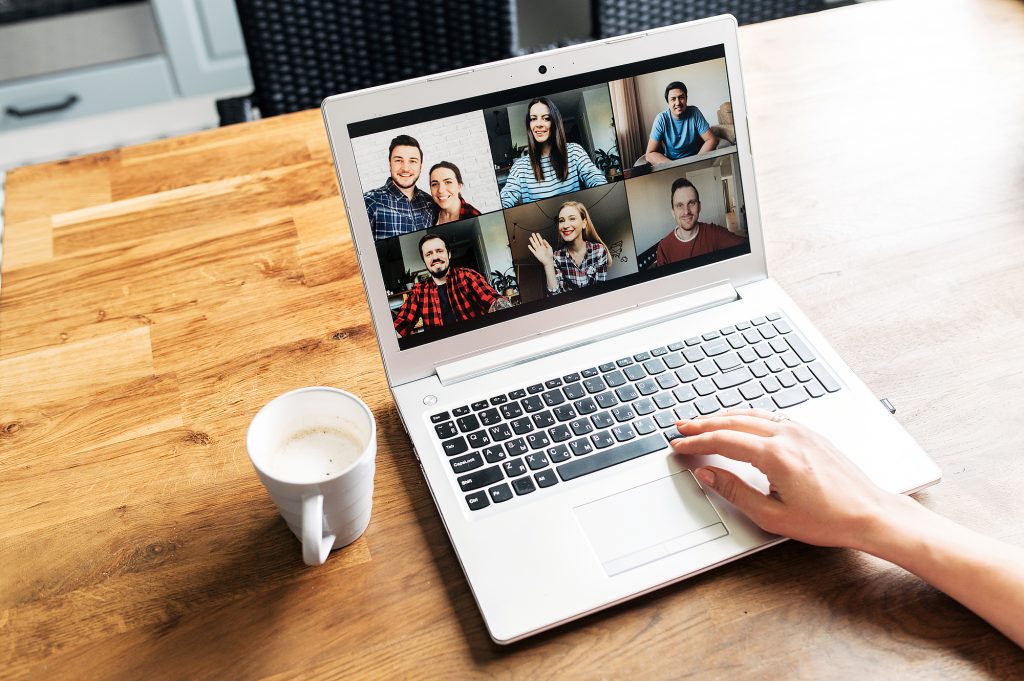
[{"x": 549, "y": 433}]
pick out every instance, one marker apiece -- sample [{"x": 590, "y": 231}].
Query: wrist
[{"x": 893, "y": 527}]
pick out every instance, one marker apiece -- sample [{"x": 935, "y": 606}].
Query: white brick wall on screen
[{"x": 460, "y": 139}]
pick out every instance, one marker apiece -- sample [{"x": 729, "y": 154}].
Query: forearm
[
  {"x": 709, "y": 145},
  {"x": 655, "y": 157},
  {"x": 982, "y": 573},
  {"x": 551, "y": 279}
]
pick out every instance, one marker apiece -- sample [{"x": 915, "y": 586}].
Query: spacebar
[{"x": 610, "y": 457}]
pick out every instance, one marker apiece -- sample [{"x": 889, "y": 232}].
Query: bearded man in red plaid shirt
[{"x": 451, "y": 295}]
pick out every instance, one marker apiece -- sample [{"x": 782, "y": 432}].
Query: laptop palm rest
[{"x": 649, "y": 522}]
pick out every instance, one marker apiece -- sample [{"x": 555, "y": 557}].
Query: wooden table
[{"x": 155, "y": 297}]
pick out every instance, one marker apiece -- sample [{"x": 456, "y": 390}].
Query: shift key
[{"x": 480, "y": 478}]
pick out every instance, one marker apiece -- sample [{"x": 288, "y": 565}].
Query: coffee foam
[{"x": 314, "y": 454}]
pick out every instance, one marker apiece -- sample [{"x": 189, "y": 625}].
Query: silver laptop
[{"x": 563, "y": 255}]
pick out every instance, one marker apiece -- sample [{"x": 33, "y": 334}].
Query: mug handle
[{"x": 315, "y": 546}]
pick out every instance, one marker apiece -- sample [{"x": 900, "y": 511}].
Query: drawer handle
[{"x": 68, "y": 102}]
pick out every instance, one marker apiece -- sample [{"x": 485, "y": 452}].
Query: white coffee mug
[{"x": 314, "y": 449}]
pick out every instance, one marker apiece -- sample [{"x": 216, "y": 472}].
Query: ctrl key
[{"x": 477, "y": 500}]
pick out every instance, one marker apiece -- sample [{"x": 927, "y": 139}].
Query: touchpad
[{"x": 649, "y": 522}]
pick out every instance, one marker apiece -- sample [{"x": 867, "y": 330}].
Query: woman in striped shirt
[
  {"x": 581, "y": 260},
  {"x": 550, "y": 167}
]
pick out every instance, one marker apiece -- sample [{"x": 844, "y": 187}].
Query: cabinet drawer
[{"x": 84, "y": 92}]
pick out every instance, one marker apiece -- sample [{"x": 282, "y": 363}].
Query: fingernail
[{"x": 706, "y": 476}]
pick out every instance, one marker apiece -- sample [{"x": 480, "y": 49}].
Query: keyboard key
[
  {"x": 615, "y": 379},
  {"x": 553, "y": 383},
  {"x": 759, "y": 369},
  {"x": 775, "y": 364},
  {"x": 730, "y": 398},
  {"x": 581, "y": 426},
  {"x": 607, "y": 400},
  {"x": 813, "y": 388},
  {"x": 461, "y": 411},
  {"x": 602, "y": 440},
  {"x": 624, "y": 432},
  {"x": 751, "y": 391},
  {"x": 752, "y": 336},
  {"x": 606, "y": 367},
  {"x": 564, "y": 412},
  {"x": 514, "y": 467},
  {"x": 728, "y": 362},
  {"x": 664, "y": 400},
  {"x": 574, "y": 391},
  {"x": 571, "y": 378},
  {"x": 790, "y": 397},
  {"x": 601, "y": 460},
  {"x": 644, "y": 406},
  {"x": 446, "y": 430},
  {"x": 585, "y": 406},
  {"x": 693, "y": 354},
  {"x": 684, "y": 393},
  {"x": 581, "y": 446},
  {"x": 456, "y": 446},
  {"x": 437, "y": 418},
  {"x": 500, "y": 493},
  {"x": 758, "y": 321},
  {"x": 481, "y": 478},
  {"x": 478, "y": 439},
  {"x": 747, "y": 355},
  {"x": 674, "y": 361},
  {"x": 489, "y": 417},
  {"x": 589, "y": 373},
  {"x": 658, "y": 352},
  {"x": 532, "y": 404},
  {"x": 704, "y": 386},
  {"x": 787, "y": 379},
  {"x": 624, "y": 362},
  {"x": 644, "y": 426},
  {"x": 477, "y": 406},
  {"x": 535, "y": 388},
  {"x": 673, "y": 347},
  {"x": 732, "y": 378},
  {"x": 602, "y": 420},
  {"x": 672, "y": 434},
  {"x": 545, "y": 478},
  {"x": 763, "y": 403},
  {"x": 687, "y": 374},
  {"x": 710, "y": 335},
  {"x": 648, "y": 386},
  {"x": 477, "y": 500},
  {"x": 558, "y": 454},
  {"x": 693, "y": 340},
  {"x": 515, "y": 447},
  {"x": 466, "y": 463},
  {"x": 803, "y": 374},
  {"x": 626, "y": 393},
  {"x": 686, "y": 411},
  {"x": 768, "y": 331},
  {"x": 559, "y": 433},
  {"x": 594, "y": 385},
  {"x": 536, "y": 461},
  {"x": 499, "y": 432},
  {"x": 665, "y": 419},
  {"x": 468, "y": 423},
  {"x": 773, "y": 316},
  {"x": 635, "y": 372},
  {"x": 543, "y": 419},
  {"x": 715, "y": 347},
  {"x": 511, "y": 411},
  {"x": 494, "y": 454},
  {"x": 778, "y": 345},
  {"x": 763, "y": 350},
  {"x": 654, "y": 366},
  {"x": 521, "y": 426},
  {"x": 707, "y": 405},
  {"x": 737, "y": 341},
  {"x": 742, "y": 326},
  {"x": 800, "y": 348},
  {"x": 498, "y": 399},
  {"x": 523, "y": 486},
  {"x": 553, "y": 397},
  {"x": 790, "y": 359},
  {"x": 771, "y": 384},
  {"x": 822, "y": 374},
  {"x": 707, "y": 367},
  {"x": 517, "y": 394},
  {"x": 725, "y": 331},
  {"x": 623, "y": 413},
  {"x": 782, "y": 327},
  {"x": 538, "y": 440},
  {"x": 667, "y": 381}
]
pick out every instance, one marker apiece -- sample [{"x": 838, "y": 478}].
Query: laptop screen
[{"x": 490, "y": 208}]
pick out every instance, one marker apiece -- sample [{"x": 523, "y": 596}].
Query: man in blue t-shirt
[{"x": 680, "y": 130}]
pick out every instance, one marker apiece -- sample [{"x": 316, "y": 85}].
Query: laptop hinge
[{"x": 576, "y": 335}]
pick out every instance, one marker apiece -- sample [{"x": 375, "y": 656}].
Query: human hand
[
  {"x": 817, "y": 495},
  {"x": 541, "y": 250}
]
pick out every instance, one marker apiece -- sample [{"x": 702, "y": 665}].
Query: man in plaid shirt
[
  {"x": 451, "y": 295},
  {"x": 400, "y": 206}
]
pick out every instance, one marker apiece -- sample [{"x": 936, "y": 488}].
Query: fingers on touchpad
[{"x": 650, "y": 522}]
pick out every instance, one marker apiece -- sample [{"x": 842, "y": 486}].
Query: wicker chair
[{"x": 617, "y": 17}]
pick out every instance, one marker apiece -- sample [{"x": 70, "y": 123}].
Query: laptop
[{"x": 563, "y": 255}]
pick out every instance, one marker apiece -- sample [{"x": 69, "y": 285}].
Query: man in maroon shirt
[
  {"x": 690, "y": 237},
  {"x": 451, "y": 295}
]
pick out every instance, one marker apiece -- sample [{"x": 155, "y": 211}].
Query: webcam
[{"x": 542, "y": 68}]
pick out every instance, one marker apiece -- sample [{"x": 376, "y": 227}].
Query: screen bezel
[{"x": 341, "y": 110}]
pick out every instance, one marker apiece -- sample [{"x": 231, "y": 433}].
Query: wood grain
[{"x": 155, "y": 297}]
